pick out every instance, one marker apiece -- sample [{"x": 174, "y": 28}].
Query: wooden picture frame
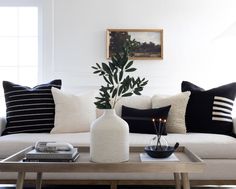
[{"x": 146, "y": 44}]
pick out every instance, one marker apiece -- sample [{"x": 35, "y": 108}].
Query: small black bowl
[{"x": 160, "y": 152}]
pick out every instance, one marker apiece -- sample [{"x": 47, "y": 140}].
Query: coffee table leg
[
  {"x": 113, "y": 185},
  {"x": 20, "y": 180},
  {"x": 185, "y": 181},
  {"x": 39, "y": 180},
  {"x": 177, "y": 181}
]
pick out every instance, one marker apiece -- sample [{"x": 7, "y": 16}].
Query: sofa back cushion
[
  {"x": 29, "y": 110},
  {"x": 176, "y": 118},
  {"x": 142, "y": 120},
  {"x": 73, "y": 113},
  {"x": 141, "y": 102}
]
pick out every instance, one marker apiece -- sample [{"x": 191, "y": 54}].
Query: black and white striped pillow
[
  {"x": 210, "y": 111},
  {"x": 29, "y": 110}
]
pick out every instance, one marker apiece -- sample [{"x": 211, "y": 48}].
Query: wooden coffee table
[{"x": 188, "y": 163}]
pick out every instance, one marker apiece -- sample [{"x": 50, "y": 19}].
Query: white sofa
[{"x": 218, "y": 152}]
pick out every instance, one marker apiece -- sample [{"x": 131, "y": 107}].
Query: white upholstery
[
  {"x": 2, "y": 124},
  {"x": 204, "y": 145},
  {"x": 234, "y": 125}
]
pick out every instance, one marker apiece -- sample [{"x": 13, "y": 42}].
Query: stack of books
[{"x": 56, "y": 156}]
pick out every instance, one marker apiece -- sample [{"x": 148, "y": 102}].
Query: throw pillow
[
  {"x": 29, "y": 110},
  {"x": 73, "y": 113},
  {"x": 176, "y": 119},
  {"x": 210, "y": 111},
  {"x": 140, "y": 120}
]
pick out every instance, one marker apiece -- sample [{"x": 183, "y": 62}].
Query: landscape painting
[{"x": 143, "y": 43}]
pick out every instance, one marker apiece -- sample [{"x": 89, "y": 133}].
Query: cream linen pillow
[
  {"x": 136, "y": 101},
  {"x": 176, "y": 118},
  {"x": 73, "y": 113}
]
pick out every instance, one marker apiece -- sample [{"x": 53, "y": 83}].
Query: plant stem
[{"x": 115, "y": 99}]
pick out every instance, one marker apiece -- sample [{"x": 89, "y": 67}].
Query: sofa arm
[{"x": 2, "y": 124}]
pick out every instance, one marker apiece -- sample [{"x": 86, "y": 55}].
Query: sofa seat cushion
[
  {"x": 208, "y": 146},
  {"x": 204, "y": 145}
]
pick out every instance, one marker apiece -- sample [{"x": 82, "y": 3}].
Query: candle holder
[{"x": 158, "y": 147}]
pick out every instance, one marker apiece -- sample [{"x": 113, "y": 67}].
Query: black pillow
[
  {"x": 209, "y": 111},
  {"x": 140, "y": 120},
  {"x": 29, "y": 110}
]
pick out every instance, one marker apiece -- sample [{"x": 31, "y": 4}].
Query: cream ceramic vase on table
[{"x": 109, "y": 139}]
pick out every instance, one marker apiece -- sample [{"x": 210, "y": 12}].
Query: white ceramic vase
[{"x": 109, "y": 139}]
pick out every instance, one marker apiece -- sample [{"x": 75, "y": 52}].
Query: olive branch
[{"x": 118, "y": 82}]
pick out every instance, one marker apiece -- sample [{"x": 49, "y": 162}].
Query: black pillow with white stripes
[
  {"x": 29, "y": 110},
  {"x": 209, "y": 111}
]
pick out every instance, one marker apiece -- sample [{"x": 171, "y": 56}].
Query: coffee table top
[{"x": 188, "y": 162}]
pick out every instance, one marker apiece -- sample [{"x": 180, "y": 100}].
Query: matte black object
[
  {"x": 160, "y": 152},
  {"x": 141, "y": 120},
  {"x": 210, "y": 111},
  {"x": 29, "y": 110}
]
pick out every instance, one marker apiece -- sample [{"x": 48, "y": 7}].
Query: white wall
[{"x": 193, "y": 31}]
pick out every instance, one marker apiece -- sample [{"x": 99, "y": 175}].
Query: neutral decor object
[
  {"x": 210, "y": 111},
  {"x": 73, "y": 113},
  {"x": 160, "y": 148},
  {"x": 109, "y": 133},
  {"x": 144, "y": 44},
  {"x": 29, "y": 110},
  {"x": 109, "y": 138},
  {"x": 176, "y": 118}
]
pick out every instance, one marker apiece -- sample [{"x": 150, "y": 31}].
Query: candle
[
  {"x": 159, "y": 126},
  {"x": 163, "y": 125},
  {"x": 154, "y": 124}
]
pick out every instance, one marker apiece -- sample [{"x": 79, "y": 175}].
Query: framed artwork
[{"x": 145, "y": 44}]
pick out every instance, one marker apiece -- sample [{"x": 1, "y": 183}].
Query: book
[
  {"x": 146, "y": 158},
  {"x": 53, "y": 160},
  {"x": 57, "y": 155}
]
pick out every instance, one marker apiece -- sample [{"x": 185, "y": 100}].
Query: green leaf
[
  {"x": 98, "y": 65},
  {"x": 127, "y": 94},
  {"x": 98, "y": 71},
  {"x": 112, "y": 66},
  {"x": 129, "y": 64},
  {"x": 131, "y": 70},
  {"x": 111, "y": 89},
  {"x": 102, "y": 73},
  {"x": 124, "y": 60},
  {"x": 94, "y": 67},
  {"x": 106, "y": 80},
  {"x": 116, "y": 76},
  {"x": 114, "y": 93},
  {"x": 143, "y": 84},
  {"x": 121, "y": 75},
  {"x": 106, "y": 68},
  {"x": 137, "y": 93},
  {"x": 114, "y": 61},
  {"x": 110, "y": 79}
]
